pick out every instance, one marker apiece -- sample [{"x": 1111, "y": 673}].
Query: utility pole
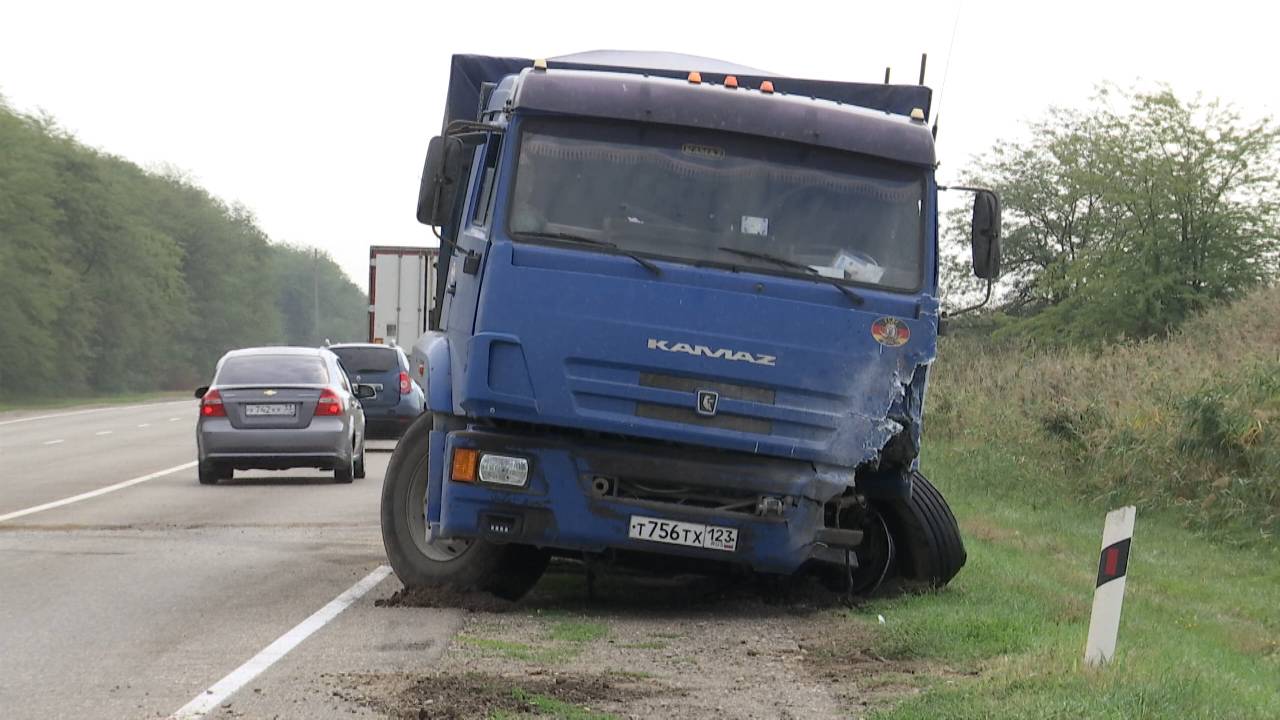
[{"x": 315, "y": 295}]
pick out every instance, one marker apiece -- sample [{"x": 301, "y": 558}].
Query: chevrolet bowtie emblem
[{"x": 268, "y": 392}]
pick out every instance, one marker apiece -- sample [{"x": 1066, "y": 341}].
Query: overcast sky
[{"x": 316, "y": 116}]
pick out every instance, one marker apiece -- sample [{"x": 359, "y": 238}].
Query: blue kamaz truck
[{"x": 685, "y": 318}]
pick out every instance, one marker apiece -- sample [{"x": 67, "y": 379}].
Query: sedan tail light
[
  {"x": 329, "y": 404},
  {"x": 405, "y": 385},
  {"x": 211, "y": 405}
]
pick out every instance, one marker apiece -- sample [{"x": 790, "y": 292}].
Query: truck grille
[
  {"x": 749, "y": 393},
  {"x": 635, "y": 395},
  {"x": 672, "y": 413},
  {"x": 649, "y": 490}
]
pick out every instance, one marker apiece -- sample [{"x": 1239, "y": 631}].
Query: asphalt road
[{"x": 133, "y": 602}]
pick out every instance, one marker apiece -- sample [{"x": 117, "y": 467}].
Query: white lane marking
[
  {"x": 52, "y": 442},
  {"x": 103, "y": 432},
  {"x": 227, "y": 686},
  {"x": 145, "y": 425},
  {"x": 173, "y": 419},
  {"x": 96, "y": 493},
  {"x": 90, "y": 410}
]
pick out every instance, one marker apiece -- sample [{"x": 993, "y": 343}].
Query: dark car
[
  {"x": 276, "y": 408},
  {"x": 398, "y": 399}
]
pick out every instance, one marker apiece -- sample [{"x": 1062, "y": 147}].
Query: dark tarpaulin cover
[{"x": 469, "y": 71}]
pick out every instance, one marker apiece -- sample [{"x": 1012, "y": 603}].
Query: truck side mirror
[
  {"x": 985, "y": 238},
  {"x": 441, "y": 175}
]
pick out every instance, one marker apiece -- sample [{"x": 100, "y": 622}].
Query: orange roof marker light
[
  {"x": 731, "y": 82},
  {"x": 695, "y": 77},
  {"x": 766, "y": 86},
  {"x": 540, "y": 64}
]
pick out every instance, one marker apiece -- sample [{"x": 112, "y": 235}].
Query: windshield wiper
[
  {"x": 567, "y": 237},
  {"x": 783, "y": 262}
]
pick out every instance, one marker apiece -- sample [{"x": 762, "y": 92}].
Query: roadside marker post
[{"x": 1108, "y": 595}]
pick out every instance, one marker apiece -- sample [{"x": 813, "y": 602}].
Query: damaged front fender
[{"x": 880, "y": 435}]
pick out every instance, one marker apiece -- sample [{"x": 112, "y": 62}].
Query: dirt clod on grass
[{"x": 465, "y": 696}]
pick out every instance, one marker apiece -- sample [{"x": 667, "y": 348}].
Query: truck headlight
[{"x": 504, "y": 470}]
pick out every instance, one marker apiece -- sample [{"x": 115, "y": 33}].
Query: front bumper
[{"x": 562, "y": 505}]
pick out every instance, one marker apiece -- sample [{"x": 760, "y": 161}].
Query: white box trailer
[{"x": 402, "y": 284}]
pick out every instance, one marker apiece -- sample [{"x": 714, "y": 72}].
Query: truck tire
[
  {"x": 929, "y": 551},
  {"x": 507, "y": 571}
]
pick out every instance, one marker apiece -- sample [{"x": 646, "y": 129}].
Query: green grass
[
  {"x": 524, "y": 652},
  {"x": 629, "y": 675},
  {"x": 12, "y": 403},
  {"x": 1199, "y": 636},
  {"x": 565, "y": 638},
  {"x": 644, "y": 645},
  {"x": 544, "y": 706},
  {"x": 578, "y": 631}
]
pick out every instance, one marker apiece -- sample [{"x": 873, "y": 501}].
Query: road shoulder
[{"x": 643, "y": 647}]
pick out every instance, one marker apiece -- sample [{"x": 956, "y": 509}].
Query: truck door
[{"x": 466, "y": 260}]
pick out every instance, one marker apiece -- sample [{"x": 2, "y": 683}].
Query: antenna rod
[
  {"x": 924, "y": 58},
  {"x": 886, "y": 76}
]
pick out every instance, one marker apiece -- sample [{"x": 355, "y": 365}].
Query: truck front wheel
[
  {"x": 421, "y": 561},
  {"x": 926, "y": 536}
]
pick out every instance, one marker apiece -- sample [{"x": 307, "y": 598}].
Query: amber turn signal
[{"x": 465, "y": 461}]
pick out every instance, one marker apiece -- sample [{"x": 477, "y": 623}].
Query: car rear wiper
[
  {"x": 598, "y": 243},
  {"x": 783, "y": 262}
]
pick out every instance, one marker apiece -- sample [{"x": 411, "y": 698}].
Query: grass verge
[
  {"x": 11, "y": 404},
  {"x": 1188, "y": 423},
  {"x": 1199, "y": 637}
]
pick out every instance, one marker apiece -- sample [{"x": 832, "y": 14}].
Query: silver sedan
[{"x": 276, "y": 408}]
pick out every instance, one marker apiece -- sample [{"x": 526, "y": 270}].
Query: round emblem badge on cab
[{"x": 890, "y": 332}]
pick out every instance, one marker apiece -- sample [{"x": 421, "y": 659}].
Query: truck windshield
[{"x": 710, "y": 197}]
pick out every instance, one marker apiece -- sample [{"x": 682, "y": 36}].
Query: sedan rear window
[
  {"x": 272, "y": 370},
  {"x": 362, "y": 360}
]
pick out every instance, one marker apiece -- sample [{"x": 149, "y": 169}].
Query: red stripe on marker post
[
  {"x": 1108, "y": 594},
  {"x": 1114, "y": 563}
]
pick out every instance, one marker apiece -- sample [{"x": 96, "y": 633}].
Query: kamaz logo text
[{"x": 705, "y": 351}]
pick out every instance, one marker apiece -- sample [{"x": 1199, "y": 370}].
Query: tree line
[
  {"x": 113, "y": 278},
  {"x": 1125, "y": 218}
]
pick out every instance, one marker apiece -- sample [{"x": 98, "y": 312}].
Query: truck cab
[{"x": 686, "y": 313}]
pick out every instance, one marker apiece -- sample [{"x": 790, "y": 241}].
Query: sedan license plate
[
  {"x": 674, "y": 532},
  {"x": 273, "y": 409}
]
